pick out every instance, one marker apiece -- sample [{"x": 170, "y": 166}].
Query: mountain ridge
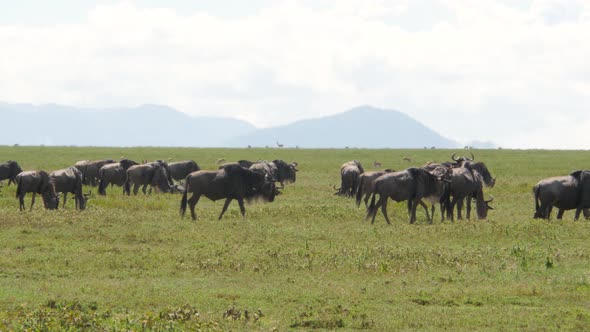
[{"x": 160, "y": 125}]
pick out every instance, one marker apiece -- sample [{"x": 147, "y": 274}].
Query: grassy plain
[{"x": 308, "y": 260}]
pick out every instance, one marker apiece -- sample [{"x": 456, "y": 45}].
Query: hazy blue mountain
[
  {"x": 146, "y": 125},
  {"x": 362, "y": 127}
]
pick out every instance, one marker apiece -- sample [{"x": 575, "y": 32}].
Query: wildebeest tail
[
  {"x": 359, "y": 192},
  {"x": 18, "y": 186},
  {"x": 102, "y": 185},
  {"x": 183, "y": 201},
  {"x": 127, "y": 185}
]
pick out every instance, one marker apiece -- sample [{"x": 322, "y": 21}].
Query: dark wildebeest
[
  {"x": 180, "y": 169},
  {"x": 113, "y": 174},
  {"x": 9, "y": 170},
  {"x": 412, "y": 184},
  {"x": 277, "y": 169},
  {"x": 565, "y": 193},
  {"x": 349, "y": 176},
  {"x": 153, "y": 174},
  {"x": 90, "y": 169},
  {"x": 230, "y": 182},
  {"x": 467, "y": 184},
  {"x": 36, "y": 182},
  {"x": 69, "y": 180},
  {"x": 367, "y": 185}
]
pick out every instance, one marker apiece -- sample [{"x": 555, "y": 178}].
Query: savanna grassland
[{"x": 307, "y": 260}]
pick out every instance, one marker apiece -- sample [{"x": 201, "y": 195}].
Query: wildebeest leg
[
  {"x": 225, "y": 205},
  {"x": 374, "y": 211},
  {"x": 32, "y": 201},
  {"x": 135, "y": 188},
  {"x": 367, "y": 196},
  {"x": 21, "y": 202},
  {"x": 384, "y": 209},
  {"x": 65, "y": 196},
  {"x": 192, "y": 202},
  {"x": 413, "y": 212},
  {"x": 242, "y": 208},
  {"x": 468, "y": 207},
  {"x": 144, "y": 188},
  {"x": 459, "y": 208},
  {"x": 586, "y": 213},
  {"x": 560, "y": 213},
  {"x": 428, "y": 217}
]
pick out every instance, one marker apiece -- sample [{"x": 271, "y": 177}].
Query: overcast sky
[{"x": 513, "y": 72}]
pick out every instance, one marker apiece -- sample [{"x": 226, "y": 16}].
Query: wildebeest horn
[
  {"x": 490, "y": 200},
  {"x": 472, "y": 156},
  {"x": 453, "y": 157},
  {"x": 294, "y": 163}
]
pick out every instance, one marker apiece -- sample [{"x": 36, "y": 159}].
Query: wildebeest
[
  {"x": 69, "y": 180},
  {"x": 467, "y": 184},
  {"x": 230, "y": 182},
  {"x": 180, "y": 169},
  {"x": 90, "y": 168},
  {"x": 277, "y": 169},
  {"x": 349, "y": 177},
  {"x": 113, "y": 174},
  {"x": 9, "y": 170},
  {"x": 36, "y": 182},
  {"x": 565, "y": 193},
  {"x": 366, "y": 185},
  {"x": 153, "y": 174},
  {"x": 412, "y": 184}
]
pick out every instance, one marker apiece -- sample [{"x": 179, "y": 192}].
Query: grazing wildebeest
[
  {"x": 153, "y": 174},
  {"x": 113, "y": 174},
  {"x": 349, "y": 176},
  {"x": 180, "y": 169},
  {"x": 278, "y": 170},
  {"x": 36, "y": 182},
  {"x": 9, "y": 170},
  {"x": 412, "y": 184},
  {"x": 69, "y": 180},
  {"x": 367, "y": 185},
  {"x": 565, "y": 193},
  {"x": 230, "y": 182},
  {"x": 90, "y": 168},
  {"x": 467, "y": 184}
]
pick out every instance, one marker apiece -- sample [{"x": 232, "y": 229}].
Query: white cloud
[{"x": 499, "y": 68}]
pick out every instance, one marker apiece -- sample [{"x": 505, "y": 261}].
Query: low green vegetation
[{"x": 306, "y": 261}]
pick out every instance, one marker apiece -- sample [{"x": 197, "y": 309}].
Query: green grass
[{"x": 308, "y": 260}]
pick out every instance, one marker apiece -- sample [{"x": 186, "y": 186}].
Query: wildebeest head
[
  {"x": 83, "y": 200},
  {"x": 50, "y": 198},
  {"x": 160, "y": 179},
  {"x": 286, "y": 172},
  {"x": 461, "y": 159},
  {"x": 126, "y": 163},
  {"x": 483, "y": 206},
  {"x": 482, "y": 169}
]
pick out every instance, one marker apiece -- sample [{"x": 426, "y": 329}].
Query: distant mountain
[
  {"x": 362, "y": 127},
  {"x": 146, "y": 125},
  {"x": 156, "y": 125}
]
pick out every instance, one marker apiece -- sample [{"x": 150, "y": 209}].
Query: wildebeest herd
[
  {"x": 242, "y": 180},
  {"x": 449, "y": 184}
]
